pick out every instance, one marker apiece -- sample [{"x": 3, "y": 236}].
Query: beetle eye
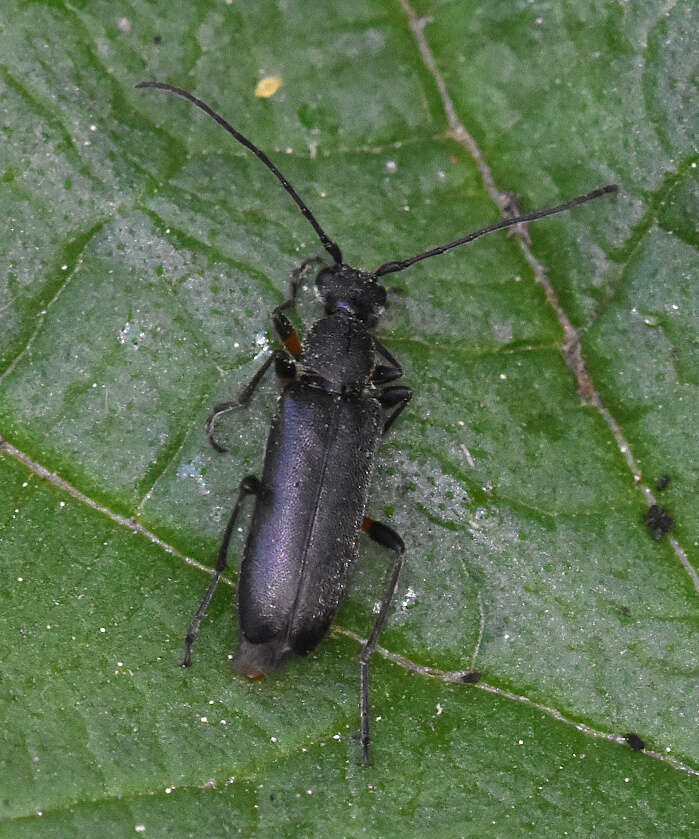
[{"x": 345, "y": 306}]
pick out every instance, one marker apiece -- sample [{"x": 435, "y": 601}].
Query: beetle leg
[
  {"x": 295, "y": 281},
  {"x": 383, "y": 374},
  {"x": 283, "y": 366},
  {"x": 386, "y": 536},
  {"x": 243, "y": 399},
  {"x": 381, "y": 350},
  {"x": 398, "y": 395},
  {"x": 288, "y": 335},
  {"x": 250, "y": 485},
  {"x": 292, "y": 344}
]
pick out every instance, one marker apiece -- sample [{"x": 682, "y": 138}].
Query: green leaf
[{"x": 142, "y": 253}]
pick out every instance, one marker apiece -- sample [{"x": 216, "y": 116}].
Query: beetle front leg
[
  {"x": 386, "y": 536},
  {"x": 295, "y": 282},
  {"x": 284, "y": 368},
  {"x": 250, "y": 485},
  {"x": 282, "y": 365}
]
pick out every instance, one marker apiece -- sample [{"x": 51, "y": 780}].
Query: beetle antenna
[
  {"x": 331, "y": 247},
  {"x": 392, "y": 267}
]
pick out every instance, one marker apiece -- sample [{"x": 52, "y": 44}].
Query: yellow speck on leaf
[{"x": 268, "y": 87}]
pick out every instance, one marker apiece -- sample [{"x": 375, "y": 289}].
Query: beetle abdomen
[
  {"x": 257, "y": 660},
  {"x": 303, "y": 540}
]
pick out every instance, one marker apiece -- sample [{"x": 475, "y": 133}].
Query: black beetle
[{"x": 336, "y": 404}]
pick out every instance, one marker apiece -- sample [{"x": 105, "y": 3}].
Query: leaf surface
[{"x": 142, "y": 254}]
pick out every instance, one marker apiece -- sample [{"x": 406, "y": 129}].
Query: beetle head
[{"x": 357, "y": 292}]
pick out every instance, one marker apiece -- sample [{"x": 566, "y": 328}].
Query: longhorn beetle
[{"x": 336, "y": 404}]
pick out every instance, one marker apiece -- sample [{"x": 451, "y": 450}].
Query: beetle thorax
[{"x": 340, "y": 351}]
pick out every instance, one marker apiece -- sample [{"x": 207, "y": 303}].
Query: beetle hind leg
[{"x": 388, "y": 538}]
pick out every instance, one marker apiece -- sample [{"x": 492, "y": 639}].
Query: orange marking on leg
[{"x": 293, "y": 344}]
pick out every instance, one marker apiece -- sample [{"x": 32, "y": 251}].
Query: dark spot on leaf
[
  {"x": 659, "y": 521},
  {"x": 663, "y": 481},
  {"x": 634, "y": 741}
]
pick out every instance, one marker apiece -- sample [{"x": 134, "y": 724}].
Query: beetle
[{"x": 336, "y": 403}]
